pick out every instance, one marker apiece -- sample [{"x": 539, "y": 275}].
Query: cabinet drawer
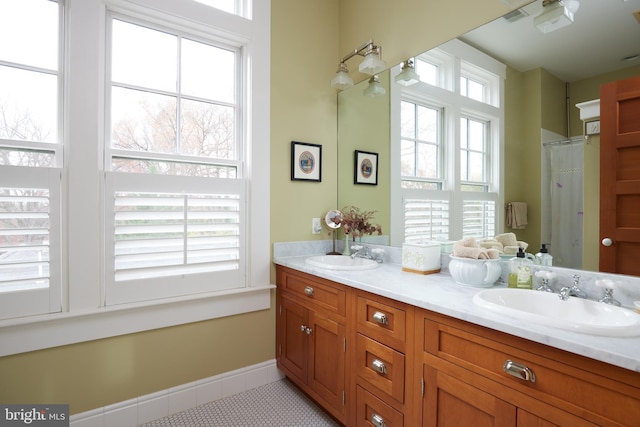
[
  {"x": 380, "y": 366},
  {"x": 383, "y": 322},
  {"x": 322, "y": 294},
  {"x": 371, "y": 411},
  {"x": 559, "y": 380}
]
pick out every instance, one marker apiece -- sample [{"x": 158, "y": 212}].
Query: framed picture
[
  {"x": 365, "y": 168},
  {"x": 306, "y": 161}
]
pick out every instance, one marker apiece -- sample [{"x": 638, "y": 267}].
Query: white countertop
[{"x": 439, "y": 293}]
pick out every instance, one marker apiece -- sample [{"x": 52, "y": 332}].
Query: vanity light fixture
[
  {"x": 371, "y": 64},
  {"x": 407, "y": 75},
  {"x": 374, "y": 88},
  {"x": 556, "y": 14}
]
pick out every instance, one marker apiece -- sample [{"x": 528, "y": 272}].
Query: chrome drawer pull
[
  {"x": 309, "y": 291},
  {"x": 377, "y": 420},
  {"x": 379, "y": 366},
  {"x": 381, "y": 318},
  {"x": 519, "y": 371}
]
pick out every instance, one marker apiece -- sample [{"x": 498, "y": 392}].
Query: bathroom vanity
[{"x": 384, "y": 347}]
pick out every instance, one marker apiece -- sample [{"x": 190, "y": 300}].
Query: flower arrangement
[{"x": 356, "y": 222}]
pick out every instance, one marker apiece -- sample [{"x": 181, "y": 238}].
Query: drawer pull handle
[
  {"x": 308, "y": 290},
  {"x": 377, "y": 420},
  {"x": 379, "y": 366},
  {"x": 380, "y": 318},
  {"x": 519, "y": 371}
]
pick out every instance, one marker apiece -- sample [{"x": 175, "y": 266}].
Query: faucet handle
[
  {"x": 576, "y": 279},
  {"x": 608, "y": 286}
]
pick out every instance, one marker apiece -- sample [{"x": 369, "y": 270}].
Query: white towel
[{"x": 517, "y": 215}]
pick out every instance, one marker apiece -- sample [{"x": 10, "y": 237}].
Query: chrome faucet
[
  {"x": 572, "y": 291},
  {"x": 360, "y": 251}
]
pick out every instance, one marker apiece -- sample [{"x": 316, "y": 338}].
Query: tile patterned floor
[{"x": 277, "y": 404}]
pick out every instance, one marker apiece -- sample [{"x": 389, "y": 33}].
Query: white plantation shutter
[
  {"x": 170, "y": 236},
  {"x": 479, "y": 218},
  {"x": 29, "y": 241},
  {"x": 426, "y": 219}
]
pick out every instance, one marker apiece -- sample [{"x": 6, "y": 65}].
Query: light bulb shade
[
  {"x": 372, "y": 64},
  {"x": 374, "y": 88},
  {"x": 341, "y": 80},
  {"x": 407, "y": 76},
  {"x": 555, "y": 16}
]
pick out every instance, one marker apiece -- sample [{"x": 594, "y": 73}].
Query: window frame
[{"x": 84, "y": 317}]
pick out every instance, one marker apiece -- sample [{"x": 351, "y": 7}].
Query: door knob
[{"x": 607, "y": 241}]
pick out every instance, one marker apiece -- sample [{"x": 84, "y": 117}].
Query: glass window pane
[
  {"x": 427, "y": 161},
  {"x": 427, "y": 124},
  {"x": 28, "y": 105},
  {"x": 226, "y": 5},
  {"x": 407, "y": 120},
  {"x": 143, "y": 57},
  {"x": 407, "y": 158},
  {"x": 476, "y": 167},
  {"x": 475, "y": 90},
  {"x": 464, "y": 136},
  {"x": 476, "y": 135},
  {"x": 464, "y": 171},
  {"x": 207, "y": 71},
  {"x": 428, "y": 72},
  {"x": 34, "y": 23},
  {"x": 207, "y": 130},
  {"x": 143, "y": 121}
]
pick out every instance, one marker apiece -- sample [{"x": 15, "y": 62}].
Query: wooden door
[
  {"x": 327, "y": 355},
  {"x": 620, "y": 176},
  {"x": 293, "y": 346},
  {"x": 449, "y": 402}
]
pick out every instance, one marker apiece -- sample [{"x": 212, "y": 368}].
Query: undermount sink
[
  {"x": 574, "y": 314},
  {"x": 340, "y": 262}
]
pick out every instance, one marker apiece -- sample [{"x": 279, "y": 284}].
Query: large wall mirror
[{"x": 546, "y": 75}]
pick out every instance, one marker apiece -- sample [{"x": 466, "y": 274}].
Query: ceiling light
[
  {"x": 342, "y": 80},
  {"x": 374, "y": 89},
  {"x": 372, "y": 64},
  {"x": 556, "y": 14},
  {"x": 407, "y": 76}
]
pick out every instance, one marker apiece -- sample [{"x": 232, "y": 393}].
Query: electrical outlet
[{"x": 316, "y": 228}]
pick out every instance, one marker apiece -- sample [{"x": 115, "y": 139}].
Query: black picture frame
[
  {"x": 365, "y": 168},
  {"x": 306, "y": 161}
]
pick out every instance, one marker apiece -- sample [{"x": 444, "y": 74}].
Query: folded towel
[
  {"x": 469, "y": 248},
  {"x": 517, "y": 215},
  {"x": 492, "y": 244},
  {"x": 507, "y": 239}
]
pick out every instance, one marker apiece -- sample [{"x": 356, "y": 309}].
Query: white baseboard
[{"x": 143, "y": 409}]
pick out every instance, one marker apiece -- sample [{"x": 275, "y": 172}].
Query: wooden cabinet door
[
  {"x": 326, "y": 376},
  {"x": 293, "y": 351},
  {"x": 553, "y": 418},
  {"x": 449, "y": 402}
]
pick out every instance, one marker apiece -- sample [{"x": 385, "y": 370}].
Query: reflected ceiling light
[
  {"x": 371, "y": 64},
  {"x": 374, "y": 88},
  {"x": 407, "y": 76},
  {"x": 556, "y": 14}
]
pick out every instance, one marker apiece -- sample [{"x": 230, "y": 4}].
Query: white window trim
[{"x": 82, "y": 318}]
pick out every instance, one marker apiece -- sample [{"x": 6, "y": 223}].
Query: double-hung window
[
  {"x": 446, "y": 186},
  {"x": 30, "y": 157},
  {"x": 175, "y": 193}
]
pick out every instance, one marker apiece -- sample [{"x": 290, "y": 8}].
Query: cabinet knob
[
  {"x": 377, "y": 420},
  {"x": 519, "y": 371},
  {"x": 379, "y": 366},
  {"x": 380, "y": 318},
  {"x": 607, "y": 241},
  {"x": 302, "y": 328},
  {"x": 308, "y": 331},
  {"x": 308, "y": 290}
]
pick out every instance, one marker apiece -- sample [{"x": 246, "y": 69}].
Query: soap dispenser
[
  {"x": 543, "y": 257},
  {"x": 520, "y": 271}
]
